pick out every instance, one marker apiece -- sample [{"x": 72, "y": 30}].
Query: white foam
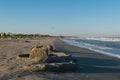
[
  {"x": 102, "y": 50},
  {"x": 105, "y": 39}
]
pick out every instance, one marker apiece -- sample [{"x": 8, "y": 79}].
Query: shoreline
[
  {"x": 84, "y": 50},
  {"x": 91, "y": 65},
  {"x": 113, "y": 55}
]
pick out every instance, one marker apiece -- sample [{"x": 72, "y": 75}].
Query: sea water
[{"x": 110, "y": 48}]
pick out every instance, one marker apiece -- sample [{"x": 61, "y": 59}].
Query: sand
[
  {"x": 91, "y": 65},
  {"x": 10, "y": 67}
]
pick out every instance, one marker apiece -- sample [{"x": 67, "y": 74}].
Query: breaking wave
[{"x": 102, "y": 47}]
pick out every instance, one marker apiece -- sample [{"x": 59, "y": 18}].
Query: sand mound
[
  {"x": 39, "y": 53},
  {"x": 58, "y": 57},
  {"x": 48, "y": 60},
  {"x": 56, "y": 67}
]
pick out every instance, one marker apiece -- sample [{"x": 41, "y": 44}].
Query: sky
[{"x": 84, "y": 18}]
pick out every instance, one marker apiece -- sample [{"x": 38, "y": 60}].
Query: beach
[{"x": 91, "y": 65}]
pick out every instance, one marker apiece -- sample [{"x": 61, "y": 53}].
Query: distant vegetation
[
  {"x": 10, "y": 35},
  {"x": 21, "y": 36}
]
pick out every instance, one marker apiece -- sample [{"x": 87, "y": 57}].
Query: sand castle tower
[{"x": 39, "y": 53}]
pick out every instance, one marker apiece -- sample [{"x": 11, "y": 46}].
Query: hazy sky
[{"x": 66, "y": 17}]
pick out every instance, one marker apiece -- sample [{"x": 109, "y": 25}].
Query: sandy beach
[{"x": 91, "y": 65}]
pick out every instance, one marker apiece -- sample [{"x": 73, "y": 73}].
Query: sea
[{"x": 105, "y": 46}]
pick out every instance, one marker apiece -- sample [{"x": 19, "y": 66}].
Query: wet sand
[{"x": 91, "y": 65}]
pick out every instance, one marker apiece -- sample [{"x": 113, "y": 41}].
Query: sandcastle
[
  {"x": 37, "y": 53},
  {"x": 47, "y": 59}
]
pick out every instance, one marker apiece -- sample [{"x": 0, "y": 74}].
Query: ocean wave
[
  {"x": 105, "y": 39},
  {"x": 100, "y": 49}
]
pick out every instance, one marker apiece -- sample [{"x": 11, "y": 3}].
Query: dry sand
[
  {"x": 10, "y": 68},
  {"x": 92, "y": 66}
]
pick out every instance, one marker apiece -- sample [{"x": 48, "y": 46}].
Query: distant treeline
[{"x": 19, "y": 36}]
